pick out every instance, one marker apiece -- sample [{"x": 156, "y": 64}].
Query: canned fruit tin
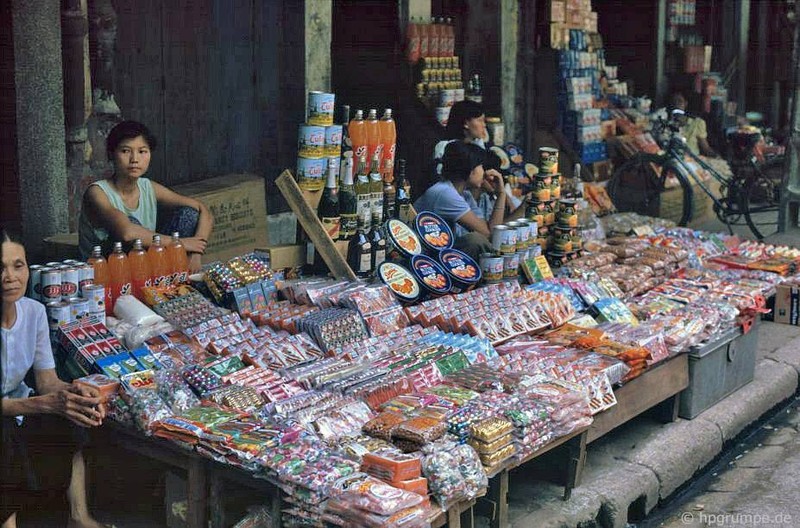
[
  {"x": 447, "y": 98},
  {"x": 79, "y": 308},
  {"x": 535, "y": 250},
  {"x": 51, "y": 285},
  {"x": 442, "y": 114},
  {"x": 568, "y": 213},
  {"x": 504, "y": 239},
  {"x": 577, "y": 242},
  {"x": 463, "y": 271},
  {"x": 400, "y": 280},
  {"x": 548, "y": 160},
  {"x": 401, "y": 241},
  {"x": 434, "y": 233},
  {"x": 320, "y": 108},
  {"x": 522, "y": 256},
  {"x": 549, "y": 213},
  {"x": 96, "y": 295},
  {"x": 333, "y": 141},
  {"x": 525, "y": 231},
  {"x": 310, "y": 173},
  {"x": 510, "y": 266},
  {"x": 491, "y": 267},
  {"x": 430, "y": 275},
  {"x": 562, "y": 240},
  {"x": 86, "y": 277},
  {"x": 311, "y": 141},
  {"x": 70, "y": 278},
  {"x": 58, "y": 313}
]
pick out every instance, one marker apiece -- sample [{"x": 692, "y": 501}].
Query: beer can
[
  {"x": 333, "y": 141},
  {"x": 491, "y": 267},
  {"x": 528, "y": 231},
  {"x": 54, "y": 264},
  {"x": 518, "y": 242},
  {"x": 311, "y": 141},
  {"x": 510, "y": 266},
  {"x": 96, "y": 295},
  {"x": 78, "y": 308},
  {"x": 504, "y": 239},
  {"x": 310, "y": 173},
  {"x": 58, "y": 313},
  {"x": 50, "y": 283},
  {"x": 548, "y": 160},
  {"x": 34, "y": 282},
  {"x": 320, "y": 108},
  {"x": 86, "y": 277},
  {"x": 70, "y": 278},
  {"x": 72, "y": 262}
]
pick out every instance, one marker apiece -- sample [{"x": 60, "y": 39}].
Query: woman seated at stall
[
  {"x": 462, "y": 171},
  {"x": 126, "y": 206},
  {"x": 42, "y": 458}
]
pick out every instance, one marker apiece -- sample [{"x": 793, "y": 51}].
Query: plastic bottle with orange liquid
[
  {"x": 358, "y": 135},
  {"x": 374, "y": 144},
  {"x": 139, "y": 265},
  {"x": 178, "y": 260},
  {"x": 159, "y": 265},
  {"x": 389, "y": 141},
  {"x": 119, "y": 274},
  {"x": 100, "y": 266}
]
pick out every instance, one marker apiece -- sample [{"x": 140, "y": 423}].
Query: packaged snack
[
  {"x": 490, "y": 429},
  {"x": 382, "y": 425},
  {"x": 391, "y": 467},
  {"x": 420, "y": 429},
  {"x": 374, "y": 496}
]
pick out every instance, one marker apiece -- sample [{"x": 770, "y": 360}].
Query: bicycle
[{"x": 752, "y": 193}]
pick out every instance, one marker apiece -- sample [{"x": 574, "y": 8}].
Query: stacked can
[
  {"x": 542, "y": 206},
  {"x": 67, "y": 290},
  {"x": 319, "y": 142}
]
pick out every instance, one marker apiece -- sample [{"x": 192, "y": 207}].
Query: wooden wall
[{"x": 9, "y": 183}]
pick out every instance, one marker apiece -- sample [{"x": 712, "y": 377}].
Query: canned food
[
  {"x": 402, "y": 283},
  {"x": 333, "y": 141},
  {"x": 463, "y": 271},
  {"x": 35, "y": 282},
  {"x": 549, "y": 213},
  {"x": 402, "y": 242},
  {"x": 447, "y": 98},
  {"x": 430, "y": 275},
  {"x": 70, "y": 278},
  {"x": 310, "y": 173},
  {"x": 491, "y": 267},
  {"x": 311, "y": 141},
  {"x": 320, "y": 108},
  {"x": 542, "y": 242},
  {"x": 510, "y": 266},
  {"x": 504, "y": 239},
  {"x": 496, "y": 130},
  {"x": 535, "y": 250},
  {"x": 458, "y": 94},
  {"x": 434, "y": 233},
  {"x": 99, "y": 317},
  {"x": 534, "y": 215},
  {"x": 58, "y": 313},
  {"x": 548, "y": 160},
  {"x": 577, "y": 242},
  {"x": 568, "y": 213},
  {"x": 522, "y": 256},
  {"x": 72, "y": 262},
  {"x": 525, "y": 232},
  {"x": 79, "y": 308},
  {"x": 555, "y": 187},
  {"x": 96, "y": 295},
  {"x": 54, "y": 264},
  {"x": 543, "y": 231},
  {"x": 85, "y": 277},
  {"x": 562, "y": 239},
  {"x": 541, "y": 190},
  {"x": 51, "y": 285}
]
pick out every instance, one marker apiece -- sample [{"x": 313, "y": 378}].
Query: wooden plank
[
  {"x": 498, "y": 493},
  {"x": 216, "y": 503},
  {"x": 313, "y": 227},
  {"x": 646, "y": 391},
  {"x": 575, "y": 463},
  {"x": 197, "y": 499}
]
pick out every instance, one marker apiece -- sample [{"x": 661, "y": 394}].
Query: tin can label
[
  {"x": 86, "y": 277},
  {"x": 548, "y": 160},
  {"x": 70, "y": 278},
  {"x": 51, "y": 286},
  {"x": 310, "y": 173},
  {"x": 510, "y": 266},
  {"x": 492, "y": 267},
  {"x": 320, "y": 108},
  {"x": 96, "y": 295},
  {"x": 333, "y": 141},
  {"x": 311, "y": 141},
  {"x": 504, "y": 239},
  {"x": 35, "y": 286},
  {"x": 58, "y": 313}
]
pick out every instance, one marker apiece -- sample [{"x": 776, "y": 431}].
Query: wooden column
[{"x": 660, "y": 47}]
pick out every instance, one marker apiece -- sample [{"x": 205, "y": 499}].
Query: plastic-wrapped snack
[
  {"x": 413, "y": 517},
  {"x": 147, "y": 407},
  {"x": 374, "y": 495},
  {"x": 257, "y": 517},
  {"x": 174, "y": 391},
  {"x": 382, "y": 425},
  {"x": 486, "y": 448},
  {"x": 469, "y": 464},
  {"x": 490, "y": 429},
  {"x": 390, "y": 466},
  {"x": 493, "y": 460},
  {"x": 420, "y": 429},
  {"x": 445, "y": 481}
]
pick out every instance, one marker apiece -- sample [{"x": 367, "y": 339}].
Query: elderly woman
[
  {"x": 126, "y": 206},
  {"x": 42, "y": 460}
]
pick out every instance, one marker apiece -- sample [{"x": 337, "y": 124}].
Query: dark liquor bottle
[
  {"x": 359, "y": 254},
  {"x": 348, "y": 204},
  {"x": 403, "y": 199},
  {"x": 347, "y": 143},
  {"x": 378, "y": 242},
  {"x": 328, "y": 210},
  {"x": 389, "y": 199}
]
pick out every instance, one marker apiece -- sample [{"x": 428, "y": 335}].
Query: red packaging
[{"x": 417, "y": 485}]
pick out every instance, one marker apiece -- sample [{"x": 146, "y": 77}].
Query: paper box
[
  {"x": 239, "y": 206},
  {"x": 286, "y": 256},
  {"x": 787, "y": 304},
  {"x": 557, "y": 11}
]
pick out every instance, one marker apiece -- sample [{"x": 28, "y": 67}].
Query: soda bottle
[
  {"x": 119, "y": 274},
  {"x": 376, "y": 192},
  {"x": 389, "y": 141},
  {"x": 412, "y": 42},
  {"x": 348, "y": 204},
  {"x": 101, "y": 275},
  {"x": 177, "y": 260},
  {"x": 358, "y": 135},
  {"x": 424, "y": 38},
  {"x": 449, "y": 39},
  {"x": 374, "y": 144},
  {"x": 140, "y": 269},
  {"x": 434, "y": 38},
  {"x": 159, "y": 265}
]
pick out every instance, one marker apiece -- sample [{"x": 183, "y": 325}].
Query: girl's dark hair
[
  {"x": 128, "y": 130},
  {"x": 460, "y": 158},
  {"x": 461, "y": 112}
]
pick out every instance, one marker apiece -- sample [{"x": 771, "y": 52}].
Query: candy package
[
  {"x": 420, "y": 429},
  {"x": 373, "y": 495},
  {"x": 383, "y": 425}
]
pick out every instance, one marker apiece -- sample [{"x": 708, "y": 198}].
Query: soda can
[
  {"x": 310, "y": 173},
  {"x": 86, "y": 277},
  {"x": 70, "y": 278},
  {"x": 58, "y": 313},
  {"x": 72, "y": 262},
  {"x": 528, "y": 231},
  {"x": 311, "y": 141},
  {"x": 320, "y": 108},
  {"x": 50, "y": 282},
  {"x": 78, "y": 308},
  {"x": 491, "y": 267},
  {"x": 34, "y": 282},
  {"x": 504, "y": 240},
  {"x": 333, "y": 141},
  {"x": 54, "y": 264}
]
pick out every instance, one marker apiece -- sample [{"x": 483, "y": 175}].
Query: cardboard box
[
  {"x": 288, "y": 256},
  {"x": 787, "y": 304},
  {"x": 239, "y": 206},
  {"x": 557, "y": 11}
]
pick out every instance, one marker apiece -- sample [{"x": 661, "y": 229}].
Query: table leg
[
  {"x": 468, "y": 518},
  {"x": 575, "y": 463},
  {"x": 498, "y": 493},
  {"x": 276, "y": 504},
  {"x": 216, "y": 504},
  {"x": 197, "y": 514},
  {"x": 667, "y": 411},
  {"x": 453, "y": 518}
]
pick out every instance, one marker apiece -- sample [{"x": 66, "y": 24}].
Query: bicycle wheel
[
  {"x": 761, "y": 201},
  {"x": 635, "y": 187}
]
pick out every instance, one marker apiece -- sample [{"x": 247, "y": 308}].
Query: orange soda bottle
[
  {"x": 374, "y": 145},
  {"x": 178, "y": 260},
  {"x": 358, "y": 135},
  {"x": 159, "y": 265},
  {"x": 100, "y": 266},
  {"x": 434, "y": 38},
  {"x": 424, "y": 38},
  {"x": 389, "y": 141},
  {"x": 140, "y": 269},
  {"x": 412, "y": 42},
  {"x": 119, "y": 274}
]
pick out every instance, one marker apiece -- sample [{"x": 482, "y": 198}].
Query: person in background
[
  {"x": 692, "y": 128},
  {"x": 462, "y": 171},
  {"x": 42, "y": 434},
  {"x": 126, "y": 206}
]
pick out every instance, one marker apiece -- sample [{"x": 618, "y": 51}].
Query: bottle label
[
  {"x": 365, "y": 264},
  {"x": 162, "y": 280},
  {"x": 377, "y": 208},
  {"x": 180, "y": 277},
  {"x": 364, "y": 210},
  {"x": 348, "y": 226},
  {"x": 332, "y": 226},
  {"x": 380, "y": 257},
  {"x": 124, "y": 289},
  {"x": 405, "y": 213},
  {"x": 389, "y": 205}
]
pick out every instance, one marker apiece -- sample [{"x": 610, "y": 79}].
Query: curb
[{"x": 642, "y": 463}]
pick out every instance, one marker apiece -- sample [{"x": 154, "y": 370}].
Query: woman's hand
[
  {"x": 495, "y": 179},
  {"x": 79, "y": 404},
  {"x": 194, "y": 263},
  {"x": 195, "y": 245}
]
